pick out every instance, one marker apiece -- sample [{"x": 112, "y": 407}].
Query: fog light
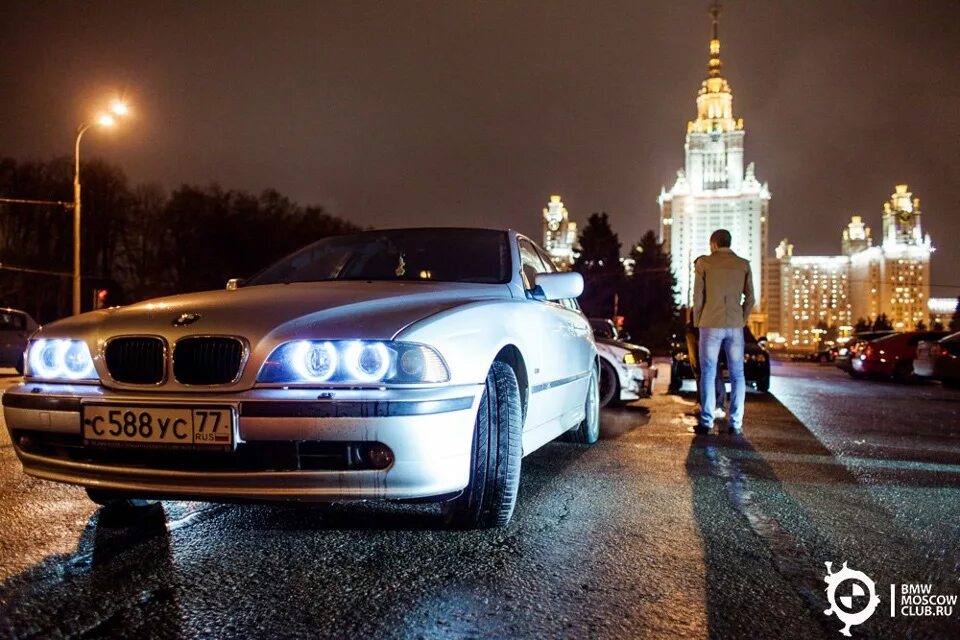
[
  {"x": 379, "y": 456},
  {"x": 24, "y": 442}
]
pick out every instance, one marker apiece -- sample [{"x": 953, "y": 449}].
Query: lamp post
[{"x": 106, "y": 120}]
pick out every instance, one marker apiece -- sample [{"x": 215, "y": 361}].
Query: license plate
[{"x": 159, "y": 426}]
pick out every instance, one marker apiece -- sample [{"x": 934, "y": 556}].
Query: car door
[
  {"x": 558, "y": 383},
  {"x": 576, "y": 339}
]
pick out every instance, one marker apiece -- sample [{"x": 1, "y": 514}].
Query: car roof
[{"x": 923, "y": 335}]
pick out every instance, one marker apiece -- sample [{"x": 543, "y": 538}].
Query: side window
[
  {"x": 12, "y": 322},
  {"x": 547, "y": 261},
  {"x": 530, "y": 263}
]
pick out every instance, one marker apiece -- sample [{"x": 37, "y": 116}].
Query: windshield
[{"x": 420, "y": 255}]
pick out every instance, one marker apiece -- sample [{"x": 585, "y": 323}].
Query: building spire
[{"x": 713, "y": 68}]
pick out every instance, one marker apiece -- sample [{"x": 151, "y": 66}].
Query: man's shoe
[
  {"x": 735, "y": 431},
  {"x": 701, "y": 430}
]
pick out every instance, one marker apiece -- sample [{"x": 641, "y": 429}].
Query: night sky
[{"x": 473, "y": 113}]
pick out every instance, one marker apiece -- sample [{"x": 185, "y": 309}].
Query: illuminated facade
[
  {"x": 892, "y": 278},
  {"x": 867, "y": 280},
  {"x": 714, "y": 191},
  {"x": 559, "y": 233},
  {"x": 814, "y": 294}
]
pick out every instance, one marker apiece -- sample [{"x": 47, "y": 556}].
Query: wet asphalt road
[{"x": 652, "y": 533}]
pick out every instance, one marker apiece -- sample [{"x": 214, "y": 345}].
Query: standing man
[{"x": 722, "y": 300}]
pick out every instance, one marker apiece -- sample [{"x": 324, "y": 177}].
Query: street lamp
[{"x": 117, "y": 109}]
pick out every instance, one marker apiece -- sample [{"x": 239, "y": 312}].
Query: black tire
[
  {"x": 903, "y": 372},
  {"x": 676, "y": 382},
  {"x": 763, "y": 385},
  {"x": 588, "y": 431},
  {"x": 609, "y": 385},
  {"x": 491, "y": 494},
  {"x": 19, "y": 365},
  {"x": 107, "y": 498}
]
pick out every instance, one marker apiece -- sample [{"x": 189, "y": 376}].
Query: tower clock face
[
  {"x": 904, "y": 216},
  {"x": 553, "y": 225}
]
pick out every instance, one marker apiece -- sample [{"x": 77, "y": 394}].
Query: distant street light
[{"x": 117, "y": 109}]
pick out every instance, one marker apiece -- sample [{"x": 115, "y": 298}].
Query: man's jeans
[{"x": 732, "y": 342}]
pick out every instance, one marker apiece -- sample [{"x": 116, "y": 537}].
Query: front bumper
[
  {"x": 872, "y": 367},
  {"x": 429, "y": 431},
  {"x": 637, "y": 381},
  {"x": 754, "y": 371}
]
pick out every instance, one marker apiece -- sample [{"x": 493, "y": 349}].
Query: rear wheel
[
  {"x": 763, "y": 384},
  {"x": 588, "y": 431},
  {"x": 609, "y": 384},
  {"x": 19, "y": 365},
  {"x": 903, "y": 372},
  {"x": 491, "y": 494}
]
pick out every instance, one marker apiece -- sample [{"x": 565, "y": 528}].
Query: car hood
[
  {"x": 620, "y": 344},
  {"x": 332, "y": 310}
]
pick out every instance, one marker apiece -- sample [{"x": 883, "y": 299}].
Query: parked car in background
[
  {"x": 826, "y": 354},
  {"x": 846, "y": 353},
  {"x": 626, "y": 370},
  {"x": 15, "y": 328},
  {"x": 756, "y": 362},
  {"x": 395, "y": 364},
  {"x": 891, "y": 356},
  {"x": 939, "y": 360}
]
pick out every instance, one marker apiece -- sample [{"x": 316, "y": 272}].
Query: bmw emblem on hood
[{"x": 186, "y": 318}]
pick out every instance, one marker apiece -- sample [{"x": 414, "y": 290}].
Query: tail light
[{"x": 867, "y": 353}]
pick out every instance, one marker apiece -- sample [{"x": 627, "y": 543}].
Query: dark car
[
  {"x": 848, "y": 351},
  {"x": 756, "y": 362},
  {"x": 891, "y": 356},
  {"x": 940, "y": 360},
  {"x": 15, "y": 327}
]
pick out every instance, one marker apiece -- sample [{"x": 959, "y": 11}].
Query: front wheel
[
  {"x": 609, "y": 384},
  {"x": 903, "y": 372},
  {"x": 491, "y": 494},
  {"x": 588, "y": 431},
  {"x": 676, "y": 382}
]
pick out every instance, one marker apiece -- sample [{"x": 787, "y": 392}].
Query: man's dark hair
[{"x": 721, "y": 238}]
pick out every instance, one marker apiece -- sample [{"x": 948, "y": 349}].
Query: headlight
[
  {"x": 60, "y": 360},
  {"x": 353, "y": 361},
  {"x": 628, "y": 358}
]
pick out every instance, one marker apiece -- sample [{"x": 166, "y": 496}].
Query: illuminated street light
[{"x": 118, "y": 108}]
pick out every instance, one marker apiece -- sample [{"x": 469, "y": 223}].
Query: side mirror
[
  {"x": 234, "y": 283},
  {"x": 559, "y": 286}
]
